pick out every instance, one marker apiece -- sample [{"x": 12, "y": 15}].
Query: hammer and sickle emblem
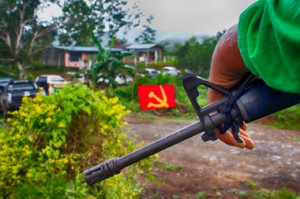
[{"x": 162, "y": 102}]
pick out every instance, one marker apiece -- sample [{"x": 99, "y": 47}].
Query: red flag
[{"x": 156, "y": 96}]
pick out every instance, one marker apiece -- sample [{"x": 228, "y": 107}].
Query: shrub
[
  {"x": 50, "y": 140},
  {"x": 288, "y": 118}
]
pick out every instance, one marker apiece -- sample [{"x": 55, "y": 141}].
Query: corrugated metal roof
[
  {"x": 141, "y": 46},
  {"x": 78, "y": 48},
  {"x": 83, "y": 48}
]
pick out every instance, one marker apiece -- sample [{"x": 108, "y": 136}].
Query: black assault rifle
[{"x": 248, "y": 100}]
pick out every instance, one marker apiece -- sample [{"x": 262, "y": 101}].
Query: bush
[
  {"x": 52, "y": 139},
  {"x": 288, "y": 118}
]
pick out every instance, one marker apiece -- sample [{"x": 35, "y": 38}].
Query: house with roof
[
  {"x": 79, "y": 57},
  {"x": 144, "y": 53},
  {"x": 75, "y": 57}
]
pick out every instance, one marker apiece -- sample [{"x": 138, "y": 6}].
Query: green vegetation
[
  {"x": 275, "y": 194},
  {"x": 262, "y": 193},
  {"x": 252, "y": 184},
  {"x": 196, "y": 56},
  {"x": 175, "y": 197},
  {"x": 201, "y": 195},
  {"x": 107, "y": 67},
  {"x": 50, "y": 140},
  {"x": 24, "y": 35},
  {"x": 169, "y": 167},
  {"x": 288, "y": 118},
  {"x": 296, "y": 139}
]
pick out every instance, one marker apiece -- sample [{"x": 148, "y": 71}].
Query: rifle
[{"x": 250, "y": 99}]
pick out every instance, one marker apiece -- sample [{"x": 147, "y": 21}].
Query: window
[
  {"x": 75, "y": 56},
  {"x": 21, "y": 86},
  {"x": 57, "y": 79}
]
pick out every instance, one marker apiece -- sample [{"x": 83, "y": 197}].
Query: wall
[{"x": 76, "y": 64}]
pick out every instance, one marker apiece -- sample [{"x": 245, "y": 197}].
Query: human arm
[{"x": 227, "y": 68}]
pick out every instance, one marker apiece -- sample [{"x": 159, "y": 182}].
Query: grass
[
  {"x": 254, "y": 191},
  {"x": 169, "y": 167},
  {"x": 295, "y": 139},
  {"x": 151, "y": 117},
  {"x": 201, "y": 195}
]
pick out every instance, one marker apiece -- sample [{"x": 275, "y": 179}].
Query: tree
[
  {"x": 22, "y": 35},
  {"x": 76, "y": 22},
  {"x": 196, "y": 56},
  {"x": 148, "y": 34},
  {"x": 83, "y": 18}
]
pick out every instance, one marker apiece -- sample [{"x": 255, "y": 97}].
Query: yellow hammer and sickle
[{"x": 162, "y": 103}]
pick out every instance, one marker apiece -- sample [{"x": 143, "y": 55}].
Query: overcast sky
[
  {"x": 194, "y": 16},
  {"x": 183, "y": 18}
]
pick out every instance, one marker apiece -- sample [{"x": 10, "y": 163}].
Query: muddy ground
[{"x": 218, "y": 170}]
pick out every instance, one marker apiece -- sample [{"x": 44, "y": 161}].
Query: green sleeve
[{"x": 269, "y": 42}]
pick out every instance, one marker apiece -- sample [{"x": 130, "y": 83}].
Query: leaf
[
  {"x": 87, "y": 110},
  {"x": 56, "y": 153},
  {"x": 57, "y": 143},
  {"x": 113, "y": 42}
]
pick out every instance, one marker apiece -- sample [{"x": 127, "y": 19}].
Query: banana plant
[{"x": 105, "y": 68}]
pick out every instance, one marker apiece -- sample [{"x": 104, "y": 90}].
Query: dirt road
[{"x": 217, "y": 169}]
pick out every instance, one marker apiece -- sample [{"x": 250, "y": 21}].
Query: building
[
  {"x": 75, "y": 57},
  {"x": 144, "y": 53},
  {"x": 78, "y": 57}
]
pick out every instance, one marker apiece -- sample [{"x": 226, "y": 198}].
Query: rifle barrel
[{"x": 115, "y": 165}]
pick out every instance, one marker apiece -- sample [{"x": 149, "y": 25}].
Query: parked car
[
  {"x": 121, "y": 79},
  {"x": 170, "y": 70},
  {"x": 5, "y": 80},
  {"x": 13, "y": 92},
  {"x": 77, "y": 77},
  {"x": 50, "y": 81},
  {"x": 151, "y": 72}
]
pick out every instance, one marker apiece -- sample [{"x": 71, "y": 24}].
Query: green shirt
[{"x": 269, "y": 42}]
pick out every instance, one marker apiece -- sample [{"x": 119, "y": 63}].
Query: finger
[
  {"x": 244, "y": 127},
  {"x": 228, "y": 138},
  {"x": 247, "y": 139},
  {"x": 242, "y": 132},
  {"x": 249, "y": 142}
]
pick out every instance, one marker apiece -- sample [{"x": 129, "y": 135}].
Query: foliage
[
  {"x": 276, "y": 194},
  {"x": 81, "y": 19},
  {"x": 169, "y": 61},
  {"x": 171, "y": 167},
  {"x": 76, "y": 23},
  {"x": 148, "y": 34},
  {"x": 288, "y": 118},
  {"x": 22, "y": 35},
  {"x": 262, "y": 193},
  {"x": 106, "y": 67},
  {"x": 196, "y": 56},
  {"x": 51, "y": 139},
  {"x": 201, "y": 195}
]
